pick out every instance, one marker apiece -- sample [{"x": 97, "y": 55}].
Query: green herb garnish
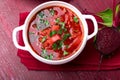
[
  {"x": 66, "y": 36},
  {"x": 60, "y": 31},
  {"x": 50, "y": 56},
  {"x": 46, "y": 57},
  {"x": 38, "y": 27},
  {"x": 42, "y": 21},
  {"x": 59, "y": 44},
  {"x": 65, "y": 53},
  {"x": 44, "y": 39},
  {"x": 62, "y": 25},
  {"x": 52, "y": 12},
  {"x": 44, "y": 51},
  {"x": 52, "y": 33},
  {"x": 46, "y": 22},
  {"x": 54, "y": 46},
  {"x": 75, "y": 19},
  {"x": 41, "y": 14},
  {"x": 57, "y": 20},
  {"x": 43, "y": 54}
]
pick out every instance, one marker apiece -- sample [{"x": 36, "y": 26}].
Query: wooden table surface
[{"x": 10, "y": 66}]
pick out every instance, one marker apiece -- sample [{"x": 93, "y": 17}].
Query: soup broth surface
[{"x": 55, "y": 33}]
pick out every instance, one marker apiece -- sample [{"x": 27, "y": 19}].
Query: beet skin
[{"x": 108, "y": 40}]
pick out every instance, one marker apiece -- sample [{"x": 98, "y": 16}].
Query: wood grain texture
[{"x": 10, "y": 66}]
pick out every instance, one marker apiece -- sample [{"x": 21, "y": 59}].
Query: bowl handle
[
  {"x": 14, "y": 34},
  {"x": 95, "y": 25}
]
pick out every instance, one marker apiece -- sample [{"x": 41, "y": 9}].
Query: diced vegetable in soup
[{"x": 55, "y": 33}]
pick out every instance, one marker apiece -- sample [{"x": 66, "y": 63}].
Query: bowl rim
[{"x": 55, "y": 3}]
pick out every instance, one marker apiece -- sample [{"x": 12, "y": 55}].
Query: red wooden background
[{"x": 10, "y": 66}]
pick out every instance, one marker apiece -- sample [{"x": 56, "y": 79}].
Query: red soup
[{"x": 55, "y": 33}]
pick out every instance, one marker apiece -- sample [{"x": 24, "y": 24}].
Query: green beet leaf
[
  {"x": 107, "y": 17},
  {"x": 116, "y": 20}
]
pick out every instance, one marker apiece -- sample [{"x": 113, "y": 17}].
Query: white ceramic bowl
[{"x": 24, "y": 28}]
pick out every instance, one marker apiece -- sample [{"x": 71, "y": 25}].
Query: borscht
[{"x": 55, "y": 33}]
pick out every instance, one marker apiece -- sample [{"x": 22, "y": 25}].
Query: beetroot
[{"x": 108, "y": 40}]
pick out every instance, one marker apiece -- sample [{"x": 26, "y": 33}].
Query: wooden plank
[{"x": 10, "y": 66}]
